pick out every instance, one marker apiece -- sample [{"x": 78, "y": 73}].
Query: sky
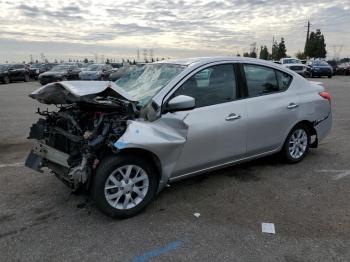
[{"x": 172, "y": 29}]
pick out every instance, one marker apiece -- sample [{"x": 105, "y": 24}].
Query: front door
[{"x": 217, "y": 125}]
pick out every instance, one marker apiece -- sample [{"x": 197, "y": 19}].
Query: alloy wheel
[
  {"x": 126, "y": 187},
  {"x": 298, "y": 143}
]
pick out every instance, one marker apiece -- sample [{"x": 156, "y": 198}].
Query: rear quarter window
[{"x": 283, "y": 80}]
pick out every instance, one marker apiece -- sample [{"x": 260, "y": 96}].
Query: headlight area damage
[{"x": 72, "y": 140}]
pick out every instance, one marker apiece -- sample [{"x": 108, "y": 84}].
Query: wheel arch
[
  {"x": 144, "y": 153},
  {"x": 311, "y": 129},
  {"x": 309, "y": 125}
]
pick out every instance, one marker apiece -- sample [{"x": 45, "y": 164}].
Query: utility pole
[{"x": 307, "y": 34}]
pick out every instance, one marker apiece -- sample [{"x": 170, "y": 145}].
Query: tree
[
  {"x": 264, "y": 53},
  {"x": 274, "y": 53},
  {"x": 282, "y": 51},
  {"x": 86, "y": 60},
  {"x": 279, "y": 50},
  {"x": 253, "y": 54},
  {"x": 315, "y": 46},
  {"x": 300, "y": 55}
]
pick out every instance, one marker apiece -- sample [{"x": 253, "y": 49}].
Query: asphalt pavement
[{"x": 40, "y": 220}]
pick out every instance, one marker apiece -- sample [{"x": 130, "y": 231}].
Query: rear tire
[
  {"x": 330, "y": 76},
  {"x": 297, "y": 144},
  {"x": 113, "y": 186}
]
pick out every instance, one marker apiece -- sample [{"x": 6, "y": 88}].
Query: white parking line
[
  {"x": 12, "y": 165},
  {"x": 341, "y": 173}
]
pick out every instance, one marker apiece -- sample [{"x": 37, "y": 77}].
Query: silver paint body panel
[{"x": 198, "y": 140}]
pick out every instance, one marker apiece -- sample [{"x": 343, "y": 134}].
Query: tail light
[{"x": 325, "y": 95}]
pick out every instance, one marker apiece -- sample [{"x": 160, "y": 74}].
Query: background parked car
[
  {"x": 13, "y": 72},
  {"x": 116, "y": 65},
  {"x": 319, "y": 68},
  {"x": 334, "y": 65},
  {"x": 343, "y": 69},
  {"x": 36, "y": 69},
  {"x": 96, "y": 72},
  {"x": 60, "y": 73},
  {"x": 294, "y": 64}
]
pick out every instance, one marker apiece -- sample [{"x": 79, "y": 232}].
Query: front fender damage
[{"x": 164, "y": 138}]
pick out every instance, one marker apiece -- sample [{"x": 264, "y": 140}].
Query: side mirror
[{"x": 181, "y": 103}]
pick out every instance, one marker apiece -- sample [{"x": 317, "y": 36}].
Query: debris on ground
[
  {"x": 268, "y": 228},
  {"x": 197, "y": 215}
]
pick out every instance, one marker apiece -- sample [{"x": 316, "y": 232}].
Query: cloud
[
  {"x": 133, "y": 28},
  {"x": 225, "y": 26},
  {"x": 66, "y": 12}
]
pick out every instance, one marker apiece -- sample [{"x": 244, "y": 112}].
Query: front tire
[
  {"x": 124, "y": 185},
  {"x": 297, "y": 144}
]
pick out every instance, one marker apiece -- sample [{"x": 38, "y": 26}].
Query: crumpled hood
[{"x": 67, "y": 92}]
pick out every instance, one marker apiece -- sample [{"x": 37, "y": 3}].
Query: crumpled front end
[
  {"x": 92, "y": 123},
  {"x": 72, "y": 140},
  {"x": 164, "y": 137}
]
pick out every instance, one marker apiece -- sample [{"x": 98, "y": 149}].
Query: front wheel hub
[{"x": 126, "y": 187}]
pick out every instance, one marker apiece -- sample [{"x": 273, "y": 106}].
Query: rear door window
[
  {"x": 263, "y": 80},
  {"x": 283, "y": 80}
]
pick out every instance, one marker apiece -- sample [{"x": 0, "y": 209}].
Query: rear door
[
  {"x": 217, "y": 126},
  {"x": 272, "y": 107}
]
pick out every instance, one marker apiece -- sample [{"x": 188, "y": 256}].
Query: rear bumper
[{"x": 323, "y": 126}]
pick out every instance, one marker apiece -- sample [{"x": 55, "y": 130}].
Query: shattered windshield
[{"x": 143, "y": 82}]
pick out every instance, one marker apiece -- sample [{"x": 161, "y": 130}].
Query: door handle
[
  {"x": 292, "y": 105},
  {"x": 232, "y": 117}
]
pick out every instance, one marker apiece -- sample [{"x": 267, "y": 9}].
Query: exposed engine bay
[{"x": 72, "y": 140}]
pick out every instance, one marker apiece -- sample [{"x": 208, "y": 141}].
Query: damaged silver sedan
[{"x": 124, "y": 141}]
